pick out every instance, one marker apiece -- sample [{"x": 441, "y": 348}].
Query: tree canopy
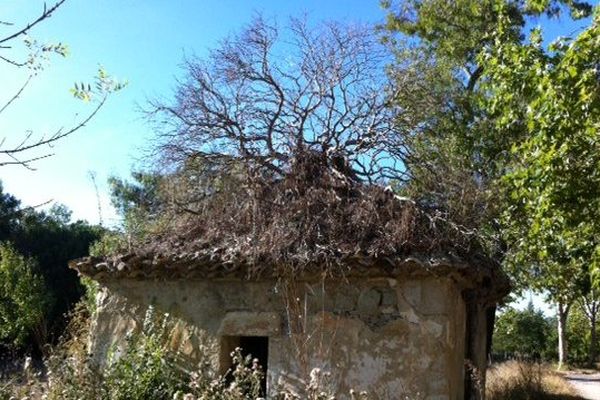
[
  {"x": 250, "y": 104},
  {"x": 509, "y": 148},
  {"x": 523, "y": 334},
  {"x": 553, "y": 185},
  {"x": 38, "y": 245}
]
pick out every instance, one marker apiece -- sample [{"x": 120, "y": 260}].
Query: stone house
[
  {"x": 407, "y": 327},
  {"x": 315, "y": 271}
]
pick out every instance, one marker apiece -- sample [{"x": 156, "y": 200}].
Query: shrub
[
  {"x": 243, "y": 382},
  {"x": 147, "y": 369},
  {"x": 522, "y": 334},
  {"x": 71, "y": 375},
  {"x": 23, "y": 299},
  {"x": 144, "y": 371},
  {"x": 110, "y": 242}
]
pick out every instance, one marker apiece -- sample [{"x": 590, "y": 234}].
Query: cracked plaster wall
[{"x": 385, "y": 336}]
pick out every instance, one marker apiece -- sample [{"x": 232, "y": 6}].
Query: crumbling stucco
[{"x": 386, "y": 336}]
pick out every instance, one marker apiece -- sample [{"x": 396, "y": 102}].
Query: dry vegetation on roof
[
  {"x": 318, "y": 214},
  {"x": 281, "y": 139}
]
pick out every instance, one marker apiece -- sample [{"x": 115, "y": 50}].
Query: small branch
[
  {"x": 20, "y": 210},
  {"x": 16, "y": 64},
  {"x": 16, "y": 96},
  {"x": 473, "y": 78},
  {"x": 57, "y": 136},
  {"x": 24, "y": 163},
  {"x": 45, "y": 14}
]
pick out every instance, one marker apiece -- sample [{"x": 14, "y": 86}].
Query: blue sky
[{"x": 140, "y": 41}]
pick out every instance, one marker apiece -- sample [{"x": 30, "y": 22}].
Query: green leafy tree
[
  {"x": 147, "y": 200},
  {"x": 482, "y": 81},
  {"x": 455, "y": 153},
  {"x": 140, "y": 203},
  {"x": 522, "y": 333},
  {"x": 552, "y": 186},
  {"x": 24, "y": 299},
  {"x": 9, "y": 213},
  {"x": 50, "y": 240},
  {"x": 578, "y": 332},
  {"x": 53, "y": 240},
  {"x": 590, "y": 307}
]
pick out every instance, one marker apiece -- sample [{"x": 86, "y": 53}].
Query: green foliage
[
  {"x": 147, "y": 370},
  {"x": 53, "y": 242},
  {"x": 244, "y": 382},
  {"x": 50, "y": 240},
  {"x": 552, "y": 187},
  {"x": 146, "y": 201},
  {"x": 5, "y": 391},
  {"x": 71, "y": 375},
  {"x": 147, "y": 367},
  {"x": 456, "y": 155},
  {"x": 510, "y": 132},
  {"x": 142, "y": 193},
  {"x": 9, "y": 214},
  {"x": 39, "y": 53},
  {"x": 580, "y": 337},
  {"x": 91, "y": 291},
  {"x": 103, "y": 86},
  {"x": 578, "y": 331},
  {"x": 23, "y": 299},
  {"x": 140, "y": 203},
  {"x": 523, "y": 334},
  {"x": 111, "y": 242},
  {"x": 451, "y": 29}
]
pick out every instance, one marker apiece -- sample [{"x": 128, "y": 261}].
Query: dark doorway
[{"x": 255, "y": 346}]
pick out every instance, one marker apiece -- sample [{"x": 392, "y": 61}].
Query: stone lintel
[{"x": 244, "y": 323}]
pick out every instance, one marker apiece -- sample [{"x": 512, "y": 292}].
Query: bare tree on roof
[{"x": 264, "y": 98}]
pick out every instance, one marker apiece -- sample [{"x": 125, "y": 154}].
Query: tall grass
[
  {"x": 520, "y": 380},
  {"x": 147, "y": 369}
]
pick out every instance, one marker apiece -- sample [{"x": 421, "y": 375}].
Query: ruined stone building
[
  {"x": 410, "y": 326},
  {"x": 386, "y": 303}
]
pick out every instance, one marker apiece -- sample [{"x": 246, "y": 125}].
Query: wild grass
[
  {"x": 520, "y": 380},
  {"x": 147, "y": 369}
]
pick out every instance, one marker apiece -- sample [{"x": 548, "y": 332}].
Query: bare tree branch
[
  {"x": 17, "y": 94},
  {"x": 45, "y": 14},
  {"x": 265, "y": 103},
  {"x": 26, "y": 145},
  {"x": 23, "y": 153}
]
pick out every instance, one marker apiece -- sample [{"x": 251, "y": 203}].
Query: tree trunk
[
  {"x": 590, "y": 305},
  {"x": 563, "y": 312},
  {"x": 592, "y": 359}
]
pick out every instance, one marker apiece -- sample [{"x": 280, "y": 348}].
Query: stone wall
[{"x": 385, "y": 336}]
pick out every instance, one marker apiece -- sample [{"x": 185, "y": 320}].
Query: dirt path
[{"x": 588, "y": 385}]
